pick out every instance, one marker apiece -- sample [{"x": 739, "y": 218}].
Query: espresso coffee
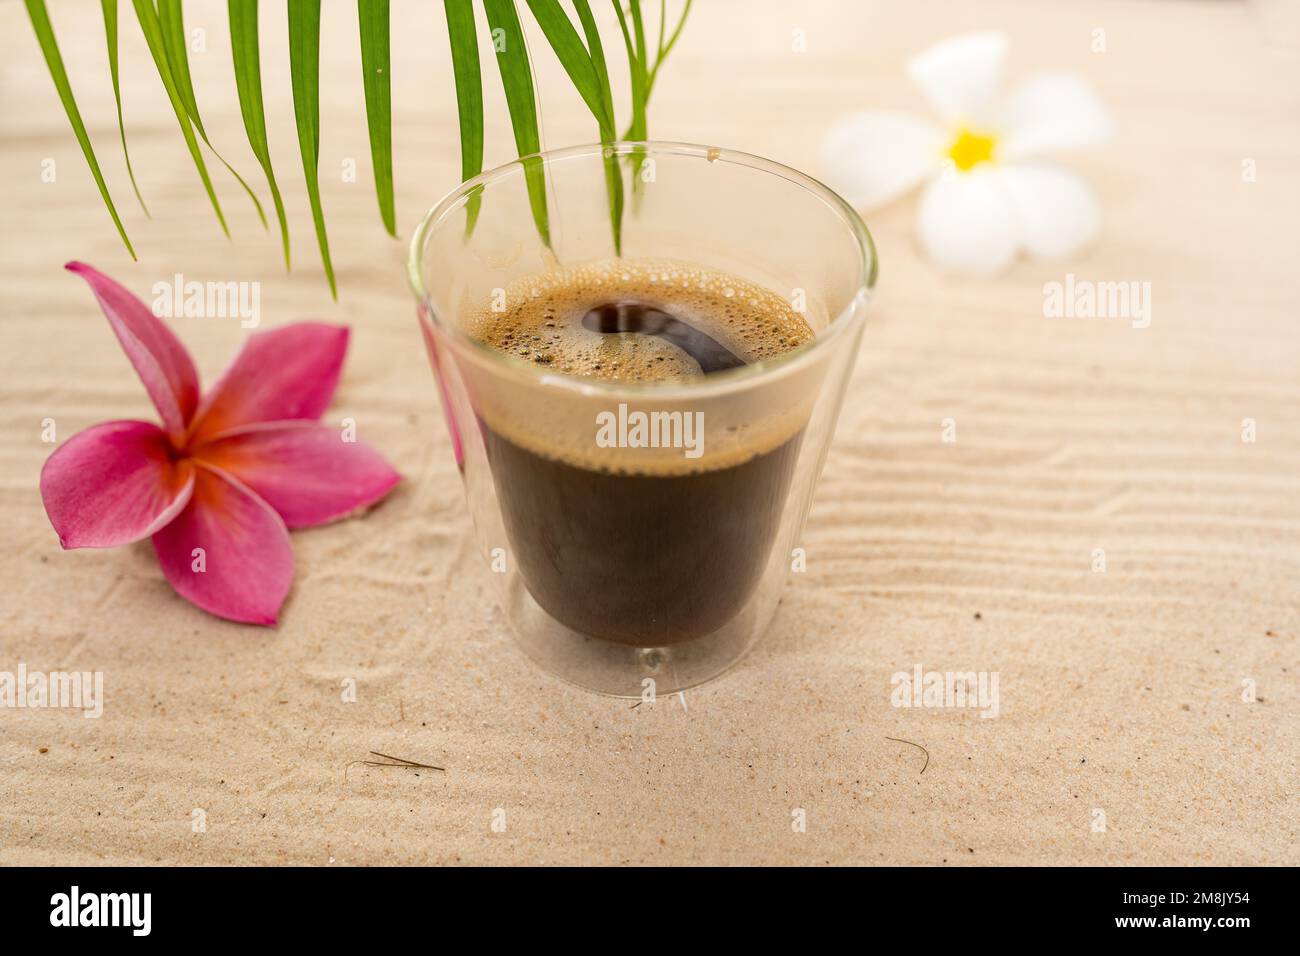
[{"x": 638, "y": 542}]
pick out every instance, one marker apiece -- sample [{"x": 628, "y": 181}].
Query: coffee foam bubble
[{"x": 539, "y": 319}]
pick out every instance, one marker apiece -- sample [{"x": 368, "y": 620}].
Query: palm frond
[
  {"x": 587, "y": 69},
  {"x": 109, "y": 8},
  {"x": 608, "y": 128},
  {"x": 153, "y": 35},
  {"x": 375, "y": 72},
  {"x": 636, "y": 130},
  {"x": 248, "y": 84},
  {"x": 172, "y": 22},
  {"x": 517, "y": 80},
  {"x": 665, "y": 48},
  {"x": 40, "y": 18},
  {"x": 304, "y": 69},
  {"x": 469, "y": 97},
  {"x": 581, "y": 53}
]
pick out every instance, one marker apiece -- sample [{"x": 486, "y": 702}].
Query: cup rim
[{"x": 727, "y": 381}]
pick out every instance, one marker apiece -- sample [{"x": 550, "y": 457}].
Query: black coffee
[{"x": 608, "y": 543}]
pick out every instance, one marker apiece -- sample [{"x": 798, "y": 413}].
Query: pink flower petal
[
  {"x": 286, "y": 373},
  {"x": 305, "y": 471},
  {"x": 114, "y": 483},
  {"x": 157, "y": 354},
  {"x": 228, "y": 551}
]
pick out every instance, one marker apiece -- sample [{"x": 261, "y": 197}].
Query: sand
[{"x": 1127, "y": 731}]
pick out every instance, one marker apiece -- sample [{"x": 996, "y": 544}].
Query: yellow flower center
[{"x": 970, "y": 149}]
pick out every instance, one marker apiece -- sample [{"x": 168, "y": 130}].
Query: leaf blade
[
  {"x": 469, "y": 97},
  {"x": 304, "y": 69},
  {"x": 641, "y": 84},
  {"x": 571, "y": 53},
  {"x": 636, "y": 130},
  {"x": 171, "y": 20},
  {"x": 149, "y": 23},
  {"x": 596, "y": 51},
  {"x": 665, "y": 48},
  {"x": 375, "y": 70},
  {"x": 608, "y": 125},
  {"x": 517, "y": 81},
  {"x": 40, "y": 18},
  {"x": 109, "y": 8},
  {"x": 246, "y": 57}
]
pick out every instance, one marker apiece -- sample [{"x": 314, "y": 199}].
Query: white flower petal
[
  {"x": 873, "y": 157},
  {"x": 1057, "y": 211},
  {"x": 1052, "y": 111},
  {"x": 960, "y": 76},
  {"x": 965, "y": 222}
]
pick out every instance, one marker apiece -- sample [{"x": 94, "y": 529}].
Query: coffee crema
[
  {"x": 569, "y": 320},
  {"x": 621, "y": 545}
]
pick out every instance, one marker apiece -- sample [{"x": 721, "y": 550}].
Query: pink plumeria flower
[
  {"x": 220, "y": 483},
  {"x": 988, "y": 195}
]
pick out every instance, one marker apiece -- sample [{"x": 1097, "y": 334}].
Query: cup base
[{"x": 624, "y": 670}]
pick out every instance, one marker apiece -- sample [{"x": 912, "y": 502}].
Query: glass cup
[{"x": 627, "y": 570}]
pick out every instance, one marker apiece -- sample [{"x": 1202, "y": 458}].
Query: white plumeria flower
[{"x": 986, "y": 198}]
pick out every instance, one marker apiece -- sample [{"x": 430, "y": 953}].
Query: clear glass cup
[{"x": 658, "y": 577}]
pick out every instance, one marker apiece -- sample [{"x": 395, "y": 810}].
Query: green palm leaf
[
  {"x": 608, "y": 129},
  {"x": 572, "y": 54},
  {"x": 40, "y": 18},
  {"x": 597, "y": 53},
  {"x": 375, "y": 70},
  {"x": 636, "y": 130},
  {"x": 581, "y": 54},
  {"x": 665, "y": 48},
  {"x": 304, "y": 68},
  {"x": 110, "y": 36},
  {"x": 153, "y": 35},
  {"x": 643, "y": 75},
  {"x": 469, "y": 97},
  {"x": 590, "y": 75},
  {"x": 636, "y": 57},
  {"x": 172, "y": 22},
  {"x": 517, "y": 80},
  {"x": 248, "y": 83}
]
